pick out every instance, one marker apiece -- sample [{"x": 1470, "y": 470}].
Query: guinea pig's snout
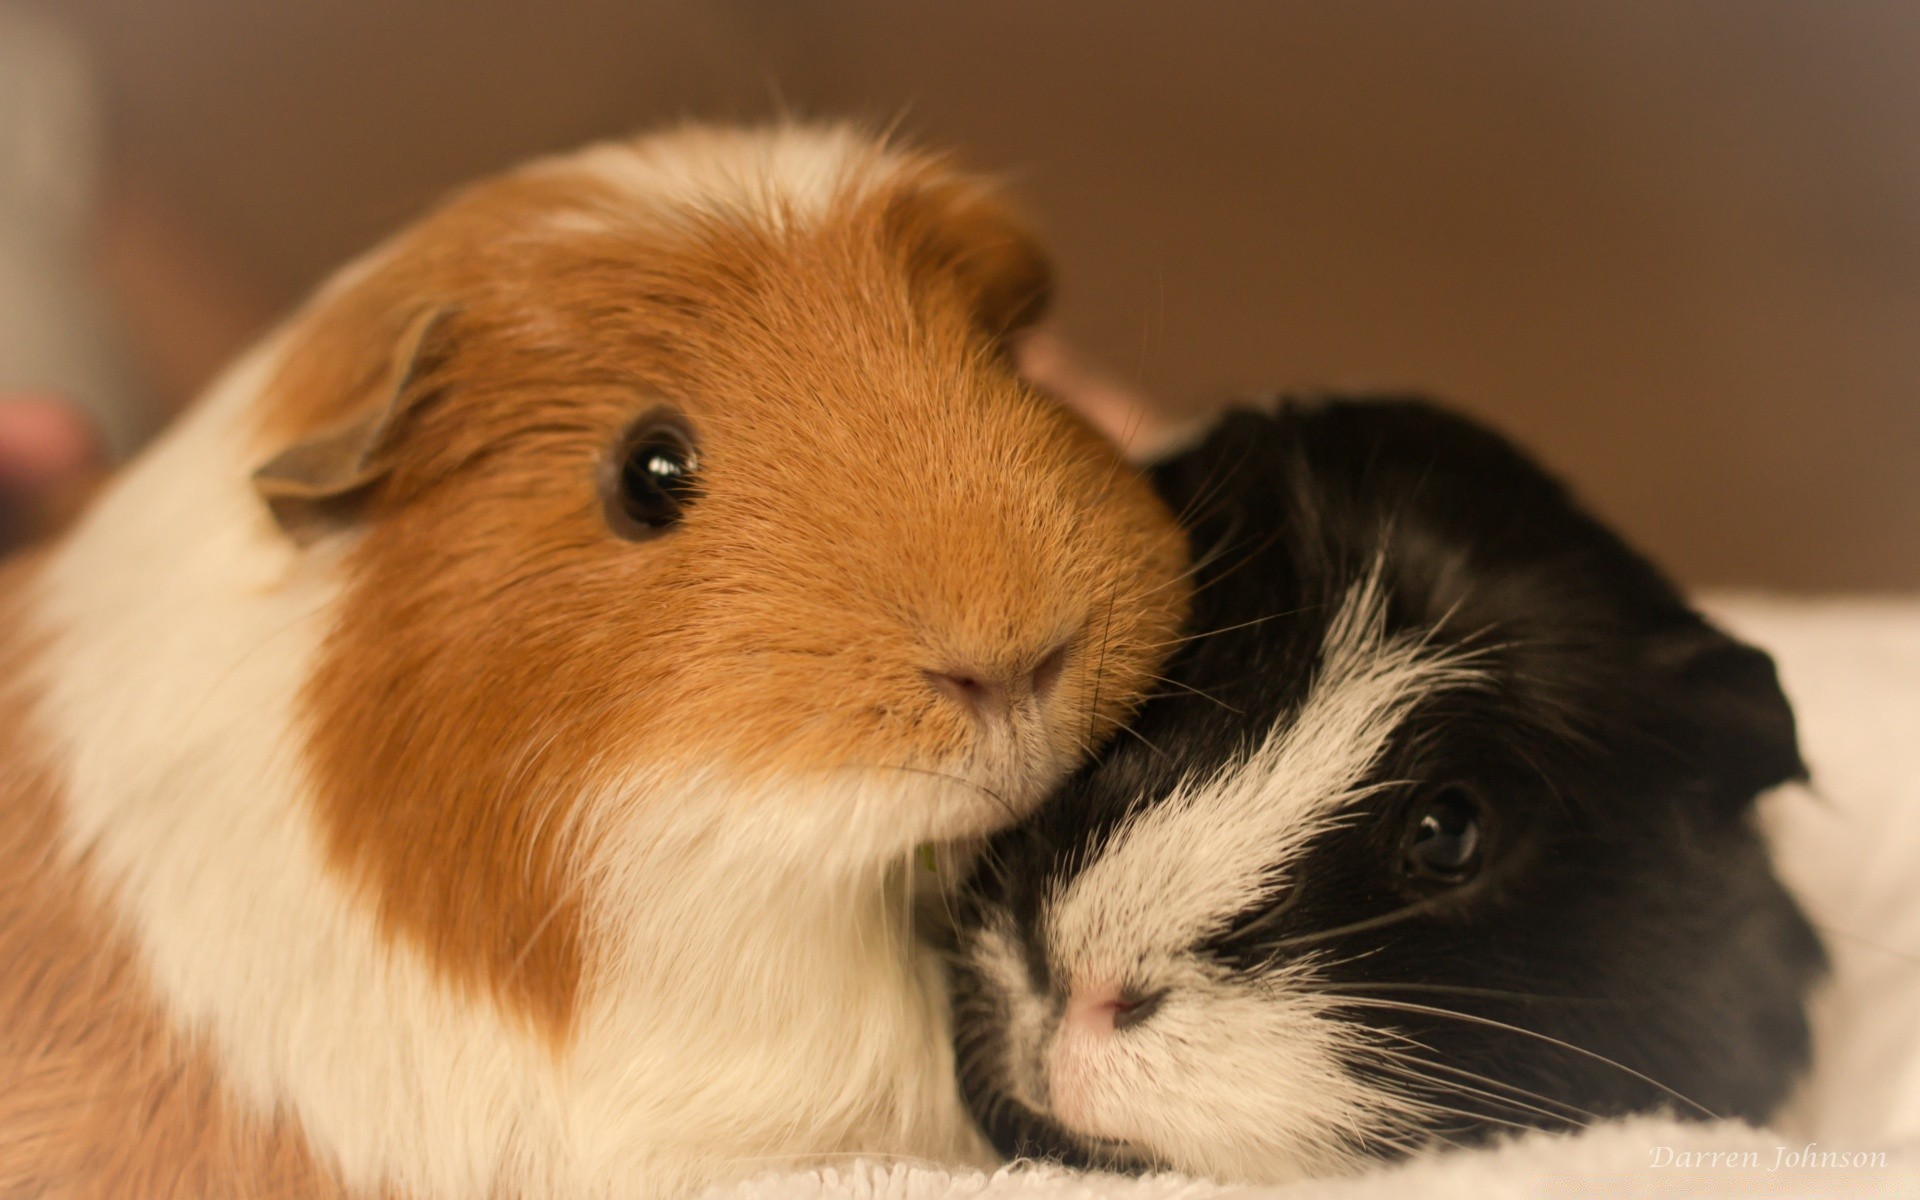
[
  {"x": 997, "y": 695},
  {"x": 1082, "y": 1068},
  {"x": 1104, "y": 1010}
]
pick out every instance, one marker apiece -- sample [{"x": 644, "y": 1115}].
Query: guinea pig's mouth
[{"x": 1048, "y": 1124}]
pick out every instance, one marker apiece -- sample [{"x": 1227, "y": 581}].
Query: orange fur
[{"x": 102, "y": 1100}]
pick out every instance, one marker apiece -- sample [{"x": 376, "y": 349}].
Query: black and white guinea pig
[{"x": 1441, "y": 828}]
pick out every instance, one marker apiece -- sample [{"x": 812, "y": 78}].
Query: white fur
[
  {"x": 1238, "y": 1075},
  {"x": 184, "y": 628},
  {"x": 1248, "y": 1079},
  {"x": 776, "y": 177}
]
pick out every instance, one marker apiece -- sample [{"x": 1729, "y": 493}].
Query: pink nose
[
  {"x": 992, "y": 695},
  {"x": 1105, "y": 1009}
]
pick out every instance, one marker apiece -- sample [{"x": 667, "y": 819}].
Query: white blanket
[{"x": 1850, "y": 847}]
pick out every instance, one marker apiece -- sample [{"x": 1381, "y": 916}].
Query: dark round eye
[
  {"x": 1446, "y": 839},
  {"x": 652, "y": 477}
]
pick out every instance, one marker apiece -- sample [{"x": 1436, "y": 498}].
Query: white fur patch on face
[
  {"x": 1180, "y": 869},
  {"x": 1245, "y": 1076},
  {"x": 775, "y": 177}
]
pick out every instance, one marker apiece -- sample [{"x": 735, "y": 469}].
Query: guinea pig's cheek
[{"x": 1010, "y": 1025}]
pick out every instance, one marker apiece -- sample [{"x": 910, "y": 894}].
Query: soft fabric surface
[
  {"x": 1850, "y": 846},
  {"x": 1612, "y": 1162}
]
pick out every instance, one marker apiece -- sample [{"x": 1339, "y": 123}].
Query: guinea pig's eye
[
  {"x": 1447, "y": 837},
  {"x": 651, "y": 478}
]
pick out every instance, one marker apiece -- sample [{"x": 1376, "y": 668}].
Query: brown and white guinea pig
[
  {"x": 479, "y": 751},
  {"x": 1443, "y": 830}
]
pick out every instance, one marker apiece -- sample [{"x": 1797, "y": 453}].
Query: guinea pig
[
  {"x": 1441, "y": 828},
  {"x": 481, "y": 749}
]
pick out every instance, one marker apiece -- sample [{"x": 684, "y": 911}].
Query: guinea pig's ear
[
  {"x": 964, "y": 238},
  {"x": 314, "y": 483},
  {"x": 1145, "y": 429},
  {"x": 1736, "y": 717}
]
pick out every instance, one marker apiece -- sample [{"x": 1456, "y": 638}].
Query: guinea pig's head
[
  {"x": 682, "y": 489},
  {"x": 1443, "y": 829}
]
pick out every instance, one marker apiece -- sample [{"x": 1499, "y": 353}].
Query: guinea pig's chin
[
  {"x": 852, "y": 816},
  {"x": 967, "y": 794},
  {"x": 960, "y": 800}
]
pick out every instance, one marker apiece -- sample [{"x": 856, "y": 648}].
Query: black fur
[{"x": 1627, "y": 906}]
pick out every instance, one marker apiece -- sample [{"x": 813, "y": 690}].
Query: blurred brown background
[{"x": 1674, "y": 247}]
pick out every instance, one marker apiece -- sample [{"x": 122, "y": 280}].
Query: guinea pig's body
[
  {"x": 1443, "y": 830},
  {"x": 479, "y": 751}
]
